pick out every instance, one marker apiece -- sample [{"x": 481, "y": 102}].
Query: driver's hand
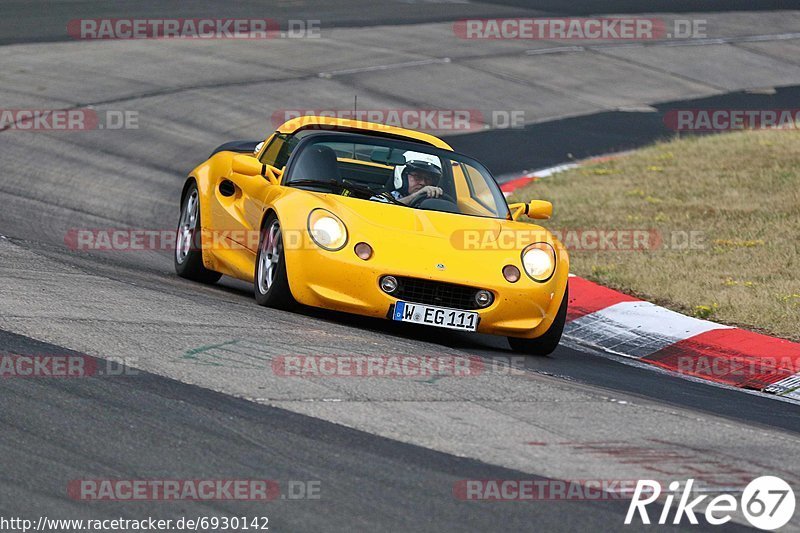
[{"x": 431, "y": 191}]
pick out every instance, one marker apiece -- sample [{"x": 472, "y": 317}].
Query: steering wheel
[{"x": 420, "y": 199}]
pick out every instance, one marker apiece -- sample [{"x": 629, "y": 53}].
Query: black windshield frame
[{"x": 405, "y": 145}]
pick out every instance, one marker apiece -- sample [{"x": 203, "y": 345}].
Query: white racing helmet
[{"x": 410, "y": 156}]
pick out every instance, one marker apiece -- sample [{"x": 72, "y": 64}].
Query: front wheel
[
  {"x": 547, "y": 343},
  {"x": 188, "y": 244},
  {"x": 271, "y": 283}
]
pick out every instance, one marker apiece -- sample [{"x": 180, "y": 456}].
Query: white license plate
[{"x": 435, "y": 316}]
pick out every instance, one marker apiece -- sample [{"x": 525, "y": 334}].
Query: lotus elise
[{"x": 377, "y": 221}]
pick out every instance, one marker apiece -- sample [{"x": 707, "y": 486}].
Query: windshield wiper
[
  {"x": 347, "y": 186},
  {"x": 327, "y": 183}
]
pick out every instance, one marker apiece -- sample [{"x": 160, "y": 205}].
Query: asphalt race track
[
  {"x": 551, "y": 143},
  {"x": 198, "y": 398},
  {"x": 41, "y": 21}
]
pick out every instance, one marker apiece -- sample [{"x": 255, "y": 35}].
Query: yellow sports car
[{"x": 378, "y": 221}]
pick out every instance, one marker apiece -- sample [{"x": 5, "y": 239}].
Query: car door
[{"x": 238, "y": 208}]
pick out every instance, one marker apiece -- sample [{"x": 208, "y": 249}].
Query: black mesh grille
[{"x": 430, "y": 292}]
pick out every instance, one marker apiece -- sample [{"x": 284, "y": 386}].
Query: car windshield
[{"x": 414, "y": 175}]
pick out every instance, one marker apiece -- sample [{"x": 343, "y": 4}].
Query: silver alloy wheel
[
  {"x": 270, "y": 256},
  {"x": 183, "y": 243}
]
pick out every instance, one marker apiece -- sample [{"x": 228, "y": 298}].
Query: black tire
[
  {"x": 188, "y": 256},
  {"x": 547, "y": 343},
  {"x": 271, "y": 287}
]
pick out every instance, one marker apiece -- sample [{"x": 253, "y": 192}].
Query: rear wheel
[
  {"x": 547, "y": 343},
  {"x": 188, "y": 245},
  {"x": 271, "y": 284}
]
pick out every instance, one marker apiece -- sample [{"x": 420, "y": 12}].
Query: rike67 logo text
[{"x": 767, "y": 502}]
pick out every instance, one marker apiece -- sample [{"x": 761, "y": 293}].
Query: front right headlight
[
  {"x": 326, "y": 230},
  {"x": 539, "y": 261}
]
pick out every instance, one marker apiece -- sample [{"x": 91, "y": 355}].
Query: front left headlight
[
  {"x": 539, "y": 261},
  {"x": 326, "y": 230}
]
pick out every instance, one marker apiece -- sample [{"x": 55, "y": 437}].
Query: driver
[{"x": 423, "y": 180}]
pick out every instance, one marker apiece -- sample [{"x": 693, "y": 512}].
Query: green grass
[{"x": 739, "y": 193}]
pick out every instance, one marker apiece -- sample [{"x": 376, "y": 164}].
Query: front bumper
[{"x": 343, "y": 282}]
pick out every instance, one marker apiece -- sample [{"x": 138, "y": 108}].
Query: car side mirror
[
  {"x": 248, "y": 165},
  {"x": 538, "y": 209}
]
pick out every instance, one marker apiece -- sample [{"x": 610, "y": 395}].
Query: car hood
[
  {"x": 407, "y": 241},
  {"x": 420, "y": 222},
  {"x": 389, "y": 219}
]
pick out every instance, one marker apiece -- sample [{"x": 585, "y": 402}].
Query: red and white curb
[
  {"x": 607, "y": 320},
  {"x": 515, "y": 183},
  {"x": 616, "y": 323}
]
